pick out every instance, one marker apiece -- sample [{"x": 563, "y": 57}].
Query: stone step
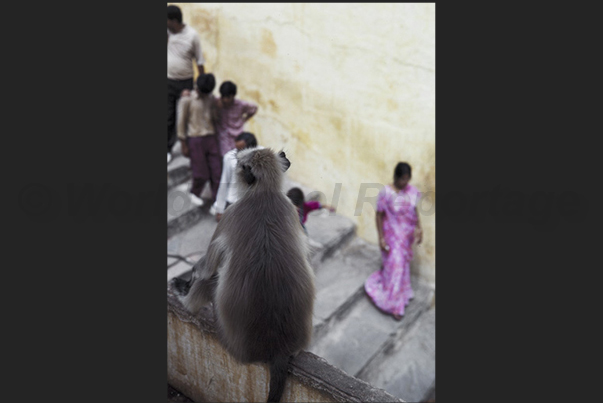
[
  {"x": 178, "y": 167},
  {"x": 340, "y": 282},
  {"x": 192, "y": 230},
  {"x": 171, "y": 261},
  {"x": 405, "y": 367},
  {"x": 366, "y": 330},
  {"x": 332, "y": 300},
  {"x": 182, "y": 213},
  {"x": 176, "y": 149},
  {"x": 179, "y": 172},
  {"x": 192, "y": 242},
  {"x": 327, "y": 232}
]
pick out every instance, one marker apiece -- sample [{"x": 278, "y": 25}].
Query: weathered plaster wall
[{"x": 347, "y": 90}]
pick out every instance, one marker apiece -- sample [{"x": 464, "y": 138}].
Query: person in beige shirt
[
  {"x": 197, "y": 114},
  {"x": 183, "y": 46}
]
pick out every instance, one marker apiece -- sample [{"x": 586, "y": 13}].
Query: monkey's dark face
[
  {"x": 247, "y": 175},
  {"x": 261, "y": 165}
]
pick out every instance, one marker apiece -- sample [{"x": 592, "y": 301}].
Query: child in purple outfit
[
  {"x": 398, "y": 226},
  {"x": 233, "y": 115},
  {"x": 304, "y": 207}
]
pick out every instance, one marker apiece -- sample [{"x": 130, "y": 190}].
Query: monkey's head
[{"x": 261, "y": 168}]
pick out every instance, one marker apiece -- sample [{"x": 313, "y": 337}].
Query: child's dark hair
[
  {"x": 248, "y": 138},
  {"x": 401, "y": 169},
  {"x": 297, "y": 196},
  {"x": 228, "y": 88},
  {"x": 206, "y": 83},
  {"x": 174, "y": 13}
]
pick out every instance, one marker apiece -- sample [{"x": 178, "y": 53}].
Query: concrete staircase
[{"x": 349, "y": 331}]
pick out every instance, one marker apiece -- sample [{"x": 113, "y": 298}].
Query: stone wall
[{"x": 200, "y": 368}]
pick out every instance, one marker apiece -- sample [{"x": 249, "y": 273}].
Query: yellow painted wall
[{"x": 347, "y": 90}]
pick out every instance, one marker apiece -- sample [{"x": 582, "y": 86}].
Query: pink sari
[{"x": 389, "y": 288}]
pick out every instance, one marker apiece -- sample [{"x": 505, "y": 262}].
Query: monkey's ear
[
  {"x": 248, "y": 175},
  {"x": 286, "y": 162}
]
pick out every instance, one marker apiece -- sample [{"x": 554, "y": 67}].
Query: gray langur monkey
[{"x": 256, "y": 271}]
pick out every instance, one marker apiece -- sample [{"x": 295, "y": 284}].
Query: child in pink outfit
[{"x": 304, "y": 207}]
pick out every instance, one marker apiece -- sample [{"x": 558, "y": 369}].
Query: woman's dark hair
[
  {"x": 401, "y": 169},
  {"x": 297, "y": 196},
  {"x": 206, "y": 83},
  {"x": 174, "y": 13},
  {"x": 228, "y": 88},
  {"x": 248, "y": 138}
]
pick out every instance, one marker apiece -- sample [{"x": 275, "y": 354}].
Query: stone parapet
[{"x": 202, "y": 369}]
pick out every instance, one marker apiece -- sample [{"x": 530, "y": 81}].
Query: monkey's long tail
[{"x": 278, "y": 376}]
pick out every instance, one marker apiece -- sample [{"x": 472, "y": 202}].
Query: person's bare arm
[
  {"x": 330, "y": 208},
  {"x": 379, "y": 220},
  {"x": 182, "y": 124},
  {"x": 249, "y": 110},
  {"x": 184, "y": 148},
  {"x": 198, "y": 54},
  {"x": 418, "y": 228},
  {"x": 215, "y": 112}
]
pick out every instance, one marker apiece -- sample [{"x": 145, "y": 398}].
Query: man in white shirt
[
  {"x": 228, "y": 192},
  {"x": 183, "y": 45}
]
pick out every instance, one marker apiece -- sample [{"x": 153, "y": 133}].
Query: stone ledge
[
  {"x": 194, "y": 351},
  {"x": 178, "y": 175}
]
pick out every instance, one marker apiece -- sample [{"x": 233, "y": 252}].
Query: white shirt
[
  {"x": 181, "y": 49},
  {"x": 228, "y": 189}
]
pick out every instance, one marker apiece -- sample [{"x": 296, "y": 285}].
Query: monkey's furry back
[{"x": 265, "y": 287}]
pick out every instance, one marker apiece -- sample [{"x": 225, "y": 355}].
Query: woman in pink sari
[{"x": 398, "y": 226}]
